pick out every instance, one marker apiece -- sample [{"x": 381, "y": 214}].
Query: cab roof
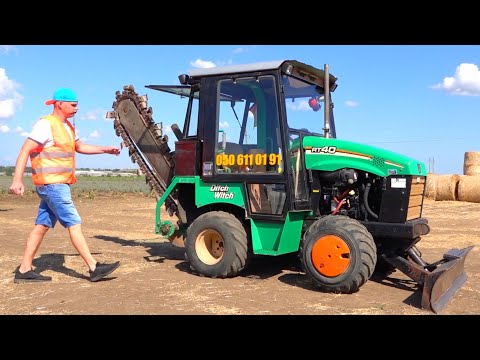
[
  {"x": 299, "y": 70},
  {"x": 259, "y": 66}
]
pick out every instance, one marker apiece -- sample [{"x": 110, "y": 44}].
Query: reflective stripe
[
  {"x": 52, "y": 170},
  {"x": 50, "y": 155}
]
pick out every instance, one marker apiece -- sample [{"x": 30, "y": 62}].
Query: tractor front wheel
[
  {"x": 338, "y": 253},
  {"x": 216, "y": 245}
]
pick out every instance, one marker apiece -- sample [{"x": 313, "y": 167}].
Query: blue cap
[{"x": 62, "y": 94}]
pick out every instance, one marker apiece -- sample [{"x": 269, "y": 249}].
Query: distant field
[{"x": 89, "y": 186}]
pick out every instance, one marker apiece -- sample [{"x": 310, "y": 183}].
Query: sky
[{"x": 422, "y": 101}]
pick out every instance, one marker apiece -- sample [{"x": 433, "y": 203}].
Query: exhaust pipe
[{"x": 326, "y": 107}]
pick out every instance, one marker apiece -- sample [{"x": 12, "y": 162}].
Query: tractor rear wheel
[
  {"x": 338, "y": 253},
  {"x": 216, "y": 245}
]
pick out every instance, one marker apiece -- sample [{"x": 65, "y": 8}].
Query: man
[{"x": 51, "y": 147}]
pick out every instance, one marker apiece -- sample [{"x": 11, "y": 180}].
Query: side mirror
[{"x": 183, "y": 78}]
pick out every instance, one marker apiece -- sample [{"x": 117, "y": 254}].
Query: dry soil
[{"x": 154, "y": 277}]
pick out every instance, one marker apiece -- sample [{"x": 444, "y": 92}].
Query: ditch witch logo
[{"x": 221, "y": 192}]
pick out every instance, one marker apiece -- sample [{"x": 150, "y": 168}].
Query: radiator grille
[{"x": 415, "y": 200}]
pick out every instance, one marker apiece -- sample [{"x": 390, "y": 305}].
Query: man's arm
[
  {"x": 88, "y": 149},
  {"x": 17, "y": 185}
]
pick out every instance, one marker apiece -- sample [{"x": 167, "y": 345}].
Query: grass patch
[{"x": 91, "y": 186}]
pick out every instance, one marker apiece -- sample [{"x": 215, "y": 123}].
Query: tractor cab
[{"x": 245, "y": 125}]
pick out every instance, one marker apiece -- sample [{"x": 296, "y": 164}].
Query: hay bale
[
  {"x": 446, "y": 187},
  {"x": 471, "y": 170},
  {"x": 472, "y": 158},
  {"x": 469, "y": 189},
  {"x": 471, "y": 163},
  {"x": 431, "y": 186}
]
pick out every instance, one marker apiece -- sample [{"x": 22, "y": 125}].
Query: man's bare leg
[
  {"x": 79, "y": 242},
  {"x": 33, "y": 243}
]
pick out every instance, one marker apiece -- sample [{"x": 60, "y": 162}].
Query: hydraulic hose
[{"x": 365, "y": 201}]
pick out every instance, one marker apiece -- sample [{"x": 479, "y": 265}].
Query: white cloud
[
  {"x": 10, "y": 99},
  {"x": 94, "y": 115},
  {"x": 4, "y": 128},
  {"x": 224, "y": 63},
  {"x": 7, "y": 86},
  {"x": 239, "y": 50},
  {"x": 18, "y": 130},
  {"x": 5, "y": 49},
  {"x": 243, "y": 49},
  {"x": 7, "y": 108},
  {"x": 94, "y": 134},
  {"x": 351, "y": 103},
  {"x": 202, "y": 64},
  {"x": 89, "y": 115},
  {"x": 465, "y": 81},
  {"x": 223, "y": 125}
]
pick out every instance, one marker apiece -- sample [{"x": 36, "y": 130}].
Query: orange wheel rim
[{"x": 331, "y": 255}]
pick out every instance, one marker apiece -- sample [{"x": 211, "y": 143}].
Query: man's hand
[
  {"x": 111, "y": 150},
  {"x": 17, "y": 188}
]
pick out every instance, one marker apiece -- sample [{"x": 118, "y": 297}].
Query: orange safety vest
[{"x": 55, "y": 164}]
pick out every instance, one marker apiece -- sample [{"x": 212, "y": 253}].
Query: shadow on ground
[
  {"x": 262, "y": 267},
  {"x": 158, "y": 251},
  {"x": 56, "y": 262},
  {"x": 415, "y": 299}
]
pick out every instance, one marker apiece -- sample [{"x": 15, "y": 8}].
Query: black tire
[
  {"x": 354, "y": 254},
  {"x": 216, "y": 245}
]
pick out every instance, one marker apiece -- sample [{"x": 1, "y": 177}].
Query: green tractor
[{"x": 247, "y": 178}]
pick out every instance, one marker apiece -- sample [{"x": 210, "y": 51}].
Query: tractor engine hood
[{"x": 327, "y": 154}]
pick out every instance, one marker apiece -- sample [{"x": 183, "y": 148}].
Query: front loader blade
[{"x": 441, "y": 284}]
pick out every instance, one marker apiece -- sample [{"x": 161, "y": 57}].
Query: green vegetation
[
  {"x": 90, "y": 186},
  {"x": 28, "y": 169},
  {"x": 8, "y": 170}
]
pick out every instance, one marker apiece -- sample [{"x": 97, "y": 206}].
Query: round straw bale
[
  {"x": 471, "y": 170},
  {"x": 446, "y": 187},
  {"x": 472, "y": 158},
  {"x": 431, "y": 186},
  {"x": 471, "y": 163},
  {"x": 469, "y": 189}
]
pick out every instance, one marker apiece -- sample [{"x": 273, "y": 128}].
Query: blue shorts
[{"x": 56, "y": 204}]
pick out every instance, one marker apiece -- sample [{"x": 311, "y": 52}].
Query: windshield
[{"x": 304, "y": 104}]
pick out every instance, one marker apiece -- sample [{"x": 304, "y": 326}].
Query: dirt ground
[{"x": 154, "y": 277}]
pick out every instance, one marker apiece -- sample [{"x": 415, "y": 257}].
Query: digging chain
[{"x": 151, "y": 178}]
